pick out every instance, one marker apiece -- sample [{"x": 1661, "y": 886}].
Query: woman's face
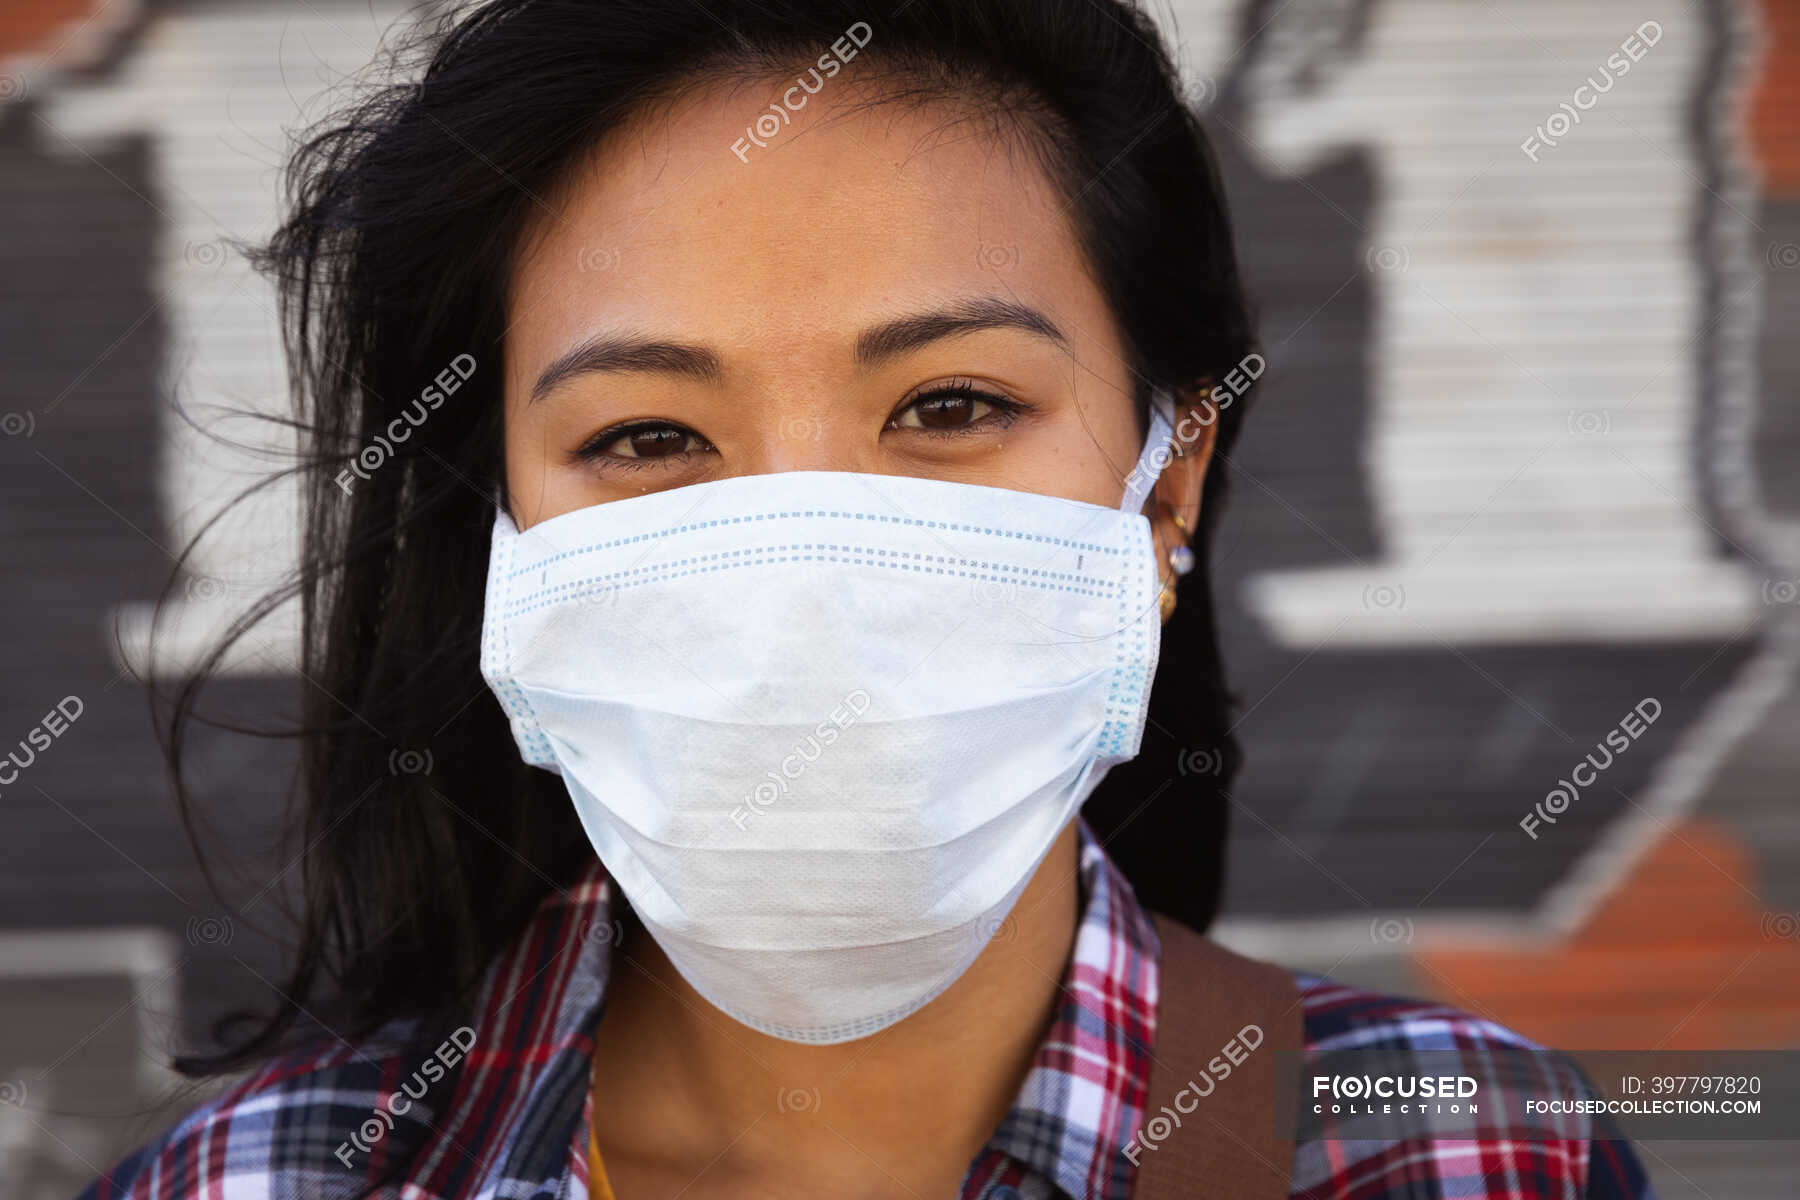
[{"x": 883, "y": 291}]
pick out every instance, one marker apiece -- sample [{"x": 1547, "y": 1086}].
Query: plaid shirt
[{"x": 356, "y": 1118}]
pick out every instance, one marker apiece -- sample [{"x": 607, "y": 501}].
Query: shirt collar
[{"x": 1081, "y": 1101}]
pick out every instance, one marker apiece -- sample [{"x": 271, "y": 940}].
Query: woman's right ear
[{"x": 1195, "y": 432}]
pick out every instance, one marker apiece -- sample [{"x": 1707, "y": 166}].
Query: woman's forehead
[{"x": 853, "y": 212}]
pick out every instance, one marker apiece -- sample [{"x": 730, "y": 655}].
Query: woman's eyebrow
[
  {"x": 987, "y": 312},
  {"x": 617, "y": 352}
]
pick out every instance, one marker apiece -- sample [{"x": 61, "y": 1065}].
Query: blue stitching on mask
[
  {"x": 1035, "y": 577},
  {"x": 1123, "y": 707},
  {"x": 952, "y": 526},
  {"x": 512, "y": 697}
]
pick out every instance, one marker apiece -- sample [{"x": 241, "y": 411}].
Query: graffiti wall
[{"x": 1511, "y": 576}]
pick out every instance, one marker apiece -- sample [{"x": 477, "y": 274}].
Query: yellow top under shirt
[{"x": 598, "y": 1187}]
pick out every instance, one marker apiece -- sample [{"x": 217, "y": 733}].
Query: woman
[{"x": 762, "y": 455}]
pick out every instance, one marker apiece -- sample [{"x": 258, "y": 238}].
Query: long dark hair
[{"x": 428, "y": 842}]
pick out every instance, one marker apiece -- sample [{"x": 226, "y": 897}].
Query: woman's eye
[
  {"x": 645, "y": 440},
  {"x": 954, "y": 409}
]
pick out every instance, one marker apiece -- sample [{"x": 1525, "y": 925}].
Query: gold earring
[{"x": 1181, "y": 562}]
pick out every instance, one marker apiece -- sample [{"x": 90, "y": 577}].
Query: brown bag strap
[{"x": 1216, "y": 1007}]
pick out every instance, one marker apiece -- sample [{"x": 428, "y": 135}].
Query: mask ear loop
[
  {"x": 1156, "y": 454},
  {"x": 498, "y": 498}
]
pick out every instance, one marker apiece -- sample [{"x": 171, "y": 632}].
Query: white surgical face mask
[{"x": 821, "y": 726}]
